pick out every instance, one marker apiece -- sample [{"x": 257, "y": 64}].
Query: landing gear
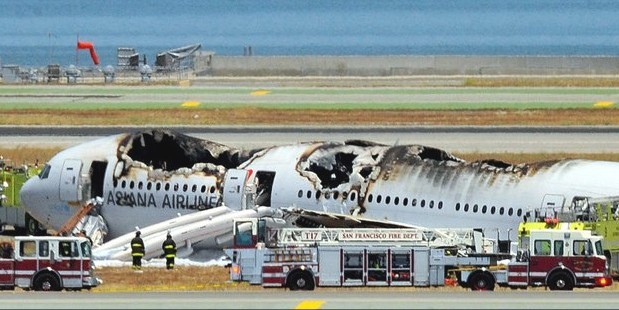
[{"x": 33, "y": 227}]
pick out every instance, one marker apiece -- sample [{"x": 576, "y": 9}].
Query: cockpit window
[{"x": 45, "y": 171}]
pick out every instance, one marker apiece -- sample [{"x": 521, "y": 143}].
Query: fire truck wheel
[
  {"x": 46, "y": 282},
  {"x": 560, "y": 281},
  {"x": 481, "y": 281},
  {"x": 300, "y": 280}
]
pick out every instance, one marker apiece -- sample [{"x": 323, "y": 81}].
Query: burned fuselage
[
  {"x": 424, "y": 186},
  {"x": 166, "y": 173},
  {"x": 152, "y": 176}
]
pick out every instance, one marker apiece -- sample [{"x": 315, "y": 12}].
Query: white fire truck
[
  {"x": 301, "y": 259},
  {"x": 47, "y": 263}
]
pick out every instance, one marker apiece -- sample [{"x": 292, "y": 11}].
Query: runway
[
  {"x": 342, "y": 299},
  {"x": 466, "y": 139}
]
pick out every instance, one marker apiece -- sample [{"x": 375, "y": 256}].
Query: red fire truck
[
  {"x": 302, "y": 259},
  {"x": 47, "y": 263},
  {"x": 558, "y": 259}
]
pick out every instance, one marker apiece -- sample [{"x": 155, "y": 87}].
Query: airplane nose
[
  {"x": 25, "y": 193},
  {"x": 27, "y": 196}
]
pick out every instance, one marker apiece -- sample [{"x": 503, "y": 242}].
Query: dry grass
[
  {"x": 264, "y": 116},
  {"x": 184, "y": 278}
]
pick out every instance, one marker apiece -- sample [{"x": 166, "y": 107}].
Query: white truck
[{"x": 301, "y": 259}]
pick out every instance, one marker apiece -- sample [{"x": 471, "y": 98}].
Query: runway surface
[
  {"x": 342, "y": 299},
  {"x": 510, "y": 139}
]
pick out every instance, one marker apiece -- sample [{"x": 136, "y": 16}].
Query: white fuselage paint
[{"x": 440, "y": 187}]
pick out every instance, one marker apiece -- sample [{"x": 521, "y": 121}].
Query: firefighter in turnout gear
[
  {"x": 169, "y": 250},
  {"x": 137, "y": 251}
]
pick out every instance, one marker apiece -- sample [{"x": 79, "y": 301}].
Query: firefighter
[
  {"x": 169, "y": 250},
  {"x": 137, "y": 251}
]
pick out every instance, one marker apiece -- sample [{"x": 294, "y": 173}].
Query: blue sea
[{"x": 39, "y": 32}]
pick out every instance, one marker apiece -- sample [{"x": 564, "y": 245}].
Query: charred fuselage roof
[{"x": 170, "y": 150}]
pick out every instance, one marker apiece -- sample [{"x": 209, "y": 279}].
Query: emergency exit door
[
  {"x": 69, "y": 180},
  {"x": 234, "y": 188}
]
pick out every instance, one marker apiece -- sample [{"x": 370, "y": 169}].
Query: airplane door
[
  {"x": 69, "y": 180},
  {"x": 234, "y": 188},
  {"x": 551, "y": 204}
]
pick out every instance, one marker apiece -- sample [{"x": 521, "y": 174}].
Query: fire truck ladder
[{"x": 461, "y": 238}]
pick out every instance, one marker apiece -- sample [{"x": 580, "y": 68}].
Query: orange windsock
[
  {"x": 87, "y": 45},
  {"x": 81, "y": 45}
]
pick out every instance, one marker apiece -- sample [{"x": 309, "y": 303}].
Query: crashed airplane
[{"x": 152, "y": 177}]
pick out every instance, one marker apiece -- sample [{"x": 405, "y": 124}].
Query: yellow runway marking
[
  {"x": 190, "y": 104},
  {"x": 310, "y": 304},
  {"x": 603, "y": 104},
  {"x": 260, "y": 92}
]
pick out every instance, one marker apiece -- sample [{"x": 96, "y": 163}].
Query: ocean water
[{"x": 39, "y": 32}]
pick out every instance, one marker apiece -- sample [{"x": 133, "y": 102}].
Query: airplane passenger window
[
  {"x": 493, "y": 209},
  {"x": 203, "y": 189},
  {"x": 140, "y": 185},
  {"x": 194, "y": 188},
  {"x": 501, "y": 211},
  {"x": 212, "y": 190},
  {"x": 158, "y": 186},
  {"x": 309, "y": 194},
  {"x": 379, "y": 198},
  {"x": 519, "y": 212},
  {"x": 166, "y": 186},
  {"x": 175, "y": 187},
  {"x": 185, "y": 187},
  {"x": 123, "y": 184},
  {"x": 510, "y": 212},
  {"x": 396, "y": 201},
  {"x": 387, "y": 200},
  {"x": 327, "y": 195},
  {"x": 344, "y": 195},
  {"x": 353, "y": 196},
  {"x": 149, "y": 185},
  {"x": 466, "y": 207},
  {"x": 336, "y": 194},
  {"x": 300, "y": 194},
  {"x": 405, "y": 202},
  {"x": 318, "y": 194},
  {"x": 475, "y": 208},
  {"x": 370, "y": 197},
  {"x": 423, "y": 203},
  {"x": 131, "y": 185},
  {"x": 414, "y": 203},
  {"x": 440, "y": 205},
  {"x": 431, "y": 204},
  {"x": 115, "y": 183},
  {"x": 458, "y": 206},
  {"x": 484, "y": 208}
]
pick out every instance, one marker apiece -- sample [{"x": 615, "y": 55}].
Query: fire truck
[
  {"x": 44, "y": 263},
  {"x": 599, "y": 215},
  {"x": 301, "y": 259}
]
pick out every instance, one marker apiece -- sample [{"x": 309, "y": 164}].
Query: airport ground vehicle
[
  {"x": 47, "y": 264},
  {"x": 13, "y": 217},
  {"x": 599, "y": 215},
  {"x": 302, "y": 259}
]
